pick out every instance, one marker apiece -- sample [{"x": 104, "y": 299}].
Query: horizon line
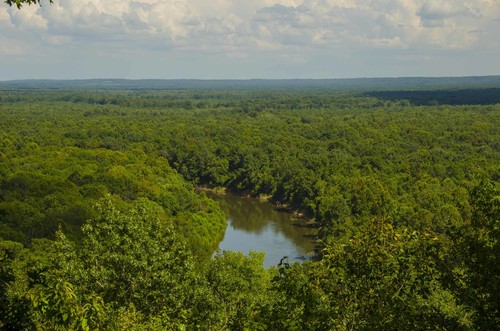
[{"x": 243, "y": 79}]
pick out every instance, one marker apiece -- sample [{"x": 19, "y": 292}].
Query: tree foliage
[
  {"x": 20, "y": 3},
  {"x": 101, "y": 227}
]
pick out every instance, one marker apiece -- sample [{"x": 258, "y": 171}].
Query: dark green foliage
[
  {"x": 486, "y": 96},
  {"x": 240, "y": 286},
  {"x": 409, "y": 232},
  {"x": 477, "y": 277},
  {"x": 381, "y": 278},
  {"x": 13, "y": 309},
  {"x": 19, "y": 3},
  {"x": 126, "y": 261},
  {"x": 57, "y": 187},
  {"x": 130, "y": 257}
]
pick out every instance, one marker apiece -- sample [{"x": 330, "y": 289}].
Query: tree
[
  {"x": 380, "y": 278},
  {"x": 133, "y": 258},
  {"x": 128, "y": 268},
  {"x": 12, "y": 308},
  {"x": 241, "y": 288},
  {"x": 19, "y": 3},
  {"x": 478, "y": 278}
]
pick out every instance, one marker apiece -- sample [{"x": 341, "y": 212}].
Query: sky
[{"x": 245, "y": 39}]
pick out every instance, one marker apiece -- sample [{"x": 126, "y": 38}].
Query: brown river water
[{"x": 256, "y": 225}]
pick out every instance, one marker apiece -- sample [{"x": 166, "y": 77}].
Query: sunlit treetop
[{"x": 19, "y": 3}]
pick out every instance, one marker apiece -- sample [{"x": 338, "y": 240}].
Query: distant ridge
[{"x": 340, "y": 83}]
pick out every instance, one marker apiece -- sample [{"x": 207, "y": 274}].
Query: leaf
[{"x": 84, "y": 324}]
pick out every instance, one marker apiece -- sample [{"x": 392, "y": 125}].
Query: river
[{"x": 256, "y": 225}]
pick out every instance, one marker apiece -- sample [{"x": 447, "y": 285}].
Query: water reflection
[{"x": 257, "y": 225}]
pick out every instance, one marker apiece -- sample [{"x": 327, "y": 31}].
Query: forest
[{"x": 102, "y": 225}]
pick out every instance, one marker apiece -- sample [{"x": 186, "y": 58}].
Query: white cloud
[
  {"x": 9, "y": 47},
  {"x": 283, "y": 22},
  {"x": 438, "y": 10},
  {"x": 435, "y": 13},
  {"x": 301, "y": 29},
  {"x": 28, "y": 18}
]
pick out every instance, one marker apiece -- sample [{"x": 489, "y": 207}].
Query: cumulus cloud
[
  {"x": 393, "y": 23},
  {"x": 240, "y": 28},
  {"x": 28, "y": 18},
  {"x": 434, "y": 13}
]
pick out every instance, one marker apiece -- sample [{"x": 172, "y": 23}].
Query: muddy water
[{"x": 257, "y": 225}]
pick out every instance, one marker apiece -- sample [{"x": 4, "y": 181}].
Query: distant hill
[{"x": 360, "y": 84}]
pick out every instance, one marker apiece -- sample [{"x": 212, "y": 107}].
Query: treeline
[
  {"x": 347, "y": 84},
  {"x": 406, "y": 197},
  {"x": 484, "y": 96}
]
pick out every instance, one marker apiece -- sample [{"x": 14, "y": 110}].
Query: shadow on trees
[{"x": 483, "y": 96}]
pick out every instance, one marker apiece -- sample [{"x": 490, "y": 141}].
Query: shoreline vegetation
[
  {"x": 282, "y": 207},
  {"x": 101, "y": 227}
]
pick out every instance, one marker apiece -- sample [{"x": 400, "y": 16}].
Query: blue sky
[{"x": 242, "y": 39}]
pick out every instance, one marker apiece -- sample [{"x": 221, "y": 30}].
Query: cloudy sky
[{"x": 217, "y": 39}]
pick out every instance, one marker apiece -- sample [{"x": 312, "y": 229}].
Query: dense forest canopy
[{"x": 101, "y": 227}]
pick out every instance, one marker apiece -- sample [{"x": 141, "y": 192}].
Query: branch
[{"x": 19, "y": 3}]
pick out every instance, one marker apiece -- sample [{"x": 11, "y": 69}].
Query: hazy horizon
[{"x": 251, "y": 79}]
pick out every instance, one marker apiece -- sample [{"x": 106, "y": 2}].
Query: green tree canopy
[{"x": 19, "y": 3}]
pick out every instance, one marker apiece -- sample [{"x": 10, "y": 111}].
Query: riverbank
[
  {"x": 280, "y": 207},
  {"x": 258, "y": 225}
]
